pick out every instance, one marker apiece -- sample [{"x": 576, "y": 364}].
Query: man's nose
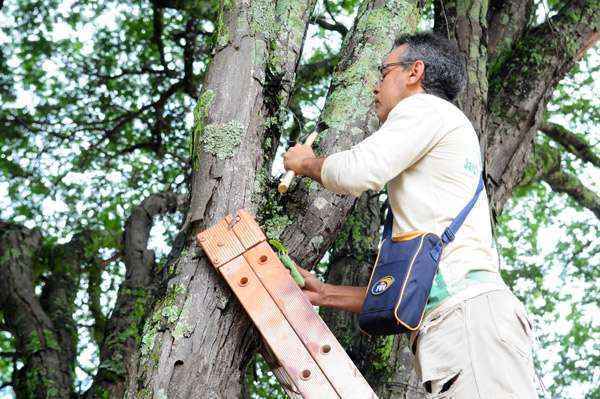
[{"x": 376, "y": 88}]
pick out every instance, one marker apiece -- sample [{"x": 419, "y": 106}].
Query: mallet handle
[{"x": 285, "y": 182}]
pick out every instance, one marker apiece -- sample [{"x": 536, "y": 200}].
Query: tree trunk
[
  {"x": 47, "y": 365},
  {"x": 197, "y": 338},
  {"x": 465, "y": 24},
  {"x": 314, "y": 216}
]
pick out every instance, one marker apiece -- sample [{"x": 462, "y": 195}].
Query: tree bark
[{"x": 506, "y": 22}]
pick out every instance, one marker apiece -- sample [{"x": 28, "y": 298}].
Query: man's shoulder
[
  {"x": 431, "y": 106},
  {"x": 444, "y": 106}
]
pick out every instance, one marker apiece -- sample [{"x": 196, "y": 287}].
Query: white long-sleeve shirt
[{"x": 428, "y": 153}]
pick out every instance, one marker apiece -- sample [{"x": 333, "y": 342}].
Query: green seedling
[{"x": 282, "y": 253}]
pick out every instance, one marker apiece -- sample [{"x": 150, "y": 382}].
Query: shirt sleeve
[{"x": 411, "y": 130}]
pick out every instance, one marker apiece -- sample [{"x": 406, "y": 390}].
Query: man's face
[{"x": 396, "y": 83}]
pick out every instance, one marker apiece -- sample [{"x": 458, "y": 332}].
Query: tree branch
[
  {"x": 311, "y": 73},
  {"x": 94, "y": 272},
  {"x": 545, "y": 165},
  {"x": 157, "y": 30},
  {"x": 307, "y": 75},
  {"x": 189, "y": 50},
  {"x": 131, "y": 115},
  {"x": 331, "y": 26},
  {"x": 126, "y": 118},
  {"x": 564, "y": 182},
  {"x": 125, "y": 72},
  {"x": 572, "y": 143},
  {"x": 520, "y": 89}
]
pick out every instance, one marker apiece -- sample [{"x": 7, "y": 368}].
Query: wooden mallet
[{"x": 285, "y": 182}]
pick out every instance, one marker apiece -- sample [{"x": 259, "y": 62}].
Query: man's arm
[
  {"x": 312, "y": 167},
  {"x": 344, "y": 297},
  {"x": 341, "y": 297},
  {"x": 411, "y": 130}
]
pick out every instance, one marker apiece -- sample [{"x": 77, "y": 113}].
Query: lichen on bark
[
  {"x": 201, "y": 112},
  {"x": 222, "y": 139},
  {"x": 165, "y": 314},
  {"x": 219, "y": 139}
]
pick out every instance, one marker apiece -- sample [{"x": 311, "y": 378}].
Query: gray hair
[{"x": 445, "y": 69}]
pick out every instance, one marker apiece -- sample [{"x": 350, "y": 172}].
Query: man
[{"x": 475, "y": 340}]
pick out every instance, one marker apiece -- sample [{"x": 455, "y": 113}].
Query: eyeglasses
[{"x": 383, "y": 67}]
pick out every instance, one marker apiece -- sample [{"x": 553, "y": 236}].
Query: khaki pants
[{"x": 480, "y": 348}]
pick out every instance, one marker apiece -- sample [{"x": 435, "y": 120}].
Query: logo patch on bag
[{"x": 382, "y": 285}]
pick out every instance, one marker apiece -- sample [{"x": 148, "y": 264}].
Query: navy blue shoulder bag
[{"x": 403, "y": 275}]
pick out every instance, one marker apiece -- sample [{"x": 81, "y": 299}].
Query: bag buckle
[{"x": 448, "y": 236}]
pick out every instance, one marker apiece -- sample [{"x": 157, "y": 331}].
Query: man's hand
[
  {"x": 341, "y": 297},
  {"x": 294, "y": 158},
  {"x": 314, "y": 289}
]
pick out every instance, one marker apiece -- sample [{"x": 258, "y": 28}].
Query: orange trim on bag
[{"x": 408, "y": 235}]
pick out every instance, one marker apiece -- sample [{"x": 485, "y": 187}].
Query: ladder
[{"x": 310, "y": 362}]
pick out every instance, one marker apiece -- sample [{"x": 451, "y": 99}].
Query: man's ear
[{"x": 417, "y": 72}]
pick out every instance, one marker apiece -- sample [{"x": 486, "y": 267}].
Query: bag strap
[
  {"x": 450, "y": 232},
  {"x": 389, "y": 220}
]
